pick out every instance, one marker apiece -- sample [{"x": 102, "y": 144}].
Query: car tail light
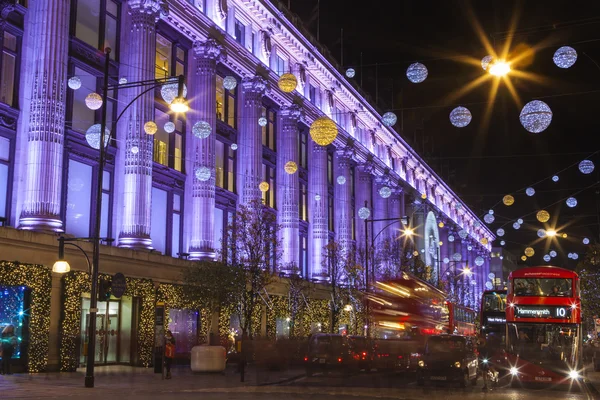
[
  {"x": 305, "y": 358},
  {"x": 400, "y": 357},
  {"x": 340, "y": 359},
  {"x": 364, "y": 353}
]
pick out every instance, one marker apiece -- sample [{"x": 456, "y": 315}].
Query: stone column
[
  {"x": 47, "y": 55},
  {"x": 342, "y": 197},
  {"x": 362, "y": 194},
  {"x": 318, "y": 228},
  {"x": 250, "y": 140},
  {"x": 200, "y": 195},
  {"x": 137, "y": 180},
  {"x": 288, "y": 186}
]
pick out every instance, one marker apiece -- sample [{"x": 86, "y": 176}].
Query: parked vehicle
[
  {"x": 362, "y": 349},
  {"x": 448, "y": 358},
  {"x": 329, "y": 352}
]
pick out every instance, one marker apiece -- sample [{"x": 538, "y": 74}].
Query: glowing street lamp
[
  {"x": 551, "y": 233},
  {"x": 408, "y": 232},
  {"x": 467, "y": 271},
  {"x": 499, "y": 68}
]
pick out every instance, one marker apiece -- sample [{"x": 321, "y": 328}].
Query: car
[
  {"x": 448, "y": 358},
  {"x": 329, "y": 352}
]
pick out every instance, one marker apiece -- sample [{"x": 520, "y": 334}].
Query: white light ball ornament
[
  {"x": 317, "y": 197},
  {"x": 485, "y": 62},
  {"x": 547, "y": 258},
  {"x": 350, "y": 72},
  {"x": 520, "y": 221},
  {"x": 530, "y": 191},
  {"x": 451, "y": 238},
  {"x": 169, "y": 91},
  {"x": 385, "y": 192},
  {"x": 586, "y": 241},
  {"x": 552, "y": 253},
  {"x": 491, "y": 212},
  {"x": 135, "y": 149},
  {"x": 555, "y": 178},
  {"x": 488, "y": 285},
  {"x": 201, "y": 129},
  {"x": 364, "y": 213},
  {"x": 341, "y": 180},
  {"x": 500, "y": 232},
  {"x": 446, "y": 260},
  {"x": 229, "y": 82},
  {"x": 457, "y": 256},
  {"x": 389, "y": 119},
  {"x": 586, "y": 167},
  {"x": 202, "y": 174},
  {"x": 479, "y": 261},
  {"x": 262, "y": 121},
  {"x": 516, "y": 225},
  {"x": 575, "y": 256},
  {"x": 502, "y": 243},
  {"x": 417, "y": 73},
  {"x": 169, "y": 127},
  {"x": 93, "y": 101},
  {"x": 234, "y": 146},
  {"x": 541, "y": 233},
  {"x": 92, "y": 136},
  {"x": 122, "y": 81},
  {"x": 489, "y": 218},
  {"x": 536, "y": 116},
  {"x": 460, "y": 117},
  {"x": 571, "y": 202},
  {"x": 565, "y": 57},
  {"x": 74, "y": 82}
]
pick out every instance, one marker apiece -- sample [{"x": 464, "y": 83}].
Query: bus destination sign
[
  {"x": 496, "y": 320},
  {"x": 542, "y": 312}
]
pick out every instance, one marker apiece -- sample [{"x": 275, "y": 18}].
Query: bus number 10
[{"x": 561, "y": 312}]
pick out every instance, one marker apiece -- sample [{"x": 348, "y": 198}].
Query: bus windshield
[
  {"x": 494, "y": 302},
  {"x": 544, "y": 343},
  {"x": 543, "y": 287}
]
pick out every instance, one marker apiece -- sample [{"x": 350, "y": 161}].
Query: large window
[
  {"x": 304, "y": 255},
  {"x": 226, "y": 110},
  {"x": 184, "y": 326},
  {"x": 240, "y": 33},
  {"x": 269, "y": 177},
  {"x": 81, "y": 116},
  {"x": 97, "y": 24},
  {"x": 543, "y": 287},
  {"x": 330, "y": 169},
  {"x": 303, "y": 148},
  {"x": 14, "y": 310},
  {"x": 312, "y": 94},
  {"x": 165, "y": 219},
  {"x": 8, "y": 67},
  {"x": 79, "y": 199},
  {"x": 168, "y": 147},
  {"x": 279, "y": 65},
  {"x": 268, "y": 131},
  {"x": 176, "y": 226},
  {"x": 4, "y": 175},
  {"x": 170, "y": 58},
  {"x": 220, "y": 223},
  {"x": 225, "y": 166},
  {"x": 303, "y": 202},
  {"x": 330, "y": 213}
]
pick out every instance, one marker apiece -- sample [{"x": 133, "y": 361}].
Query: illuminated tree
[{"x": 297, "y": 286}]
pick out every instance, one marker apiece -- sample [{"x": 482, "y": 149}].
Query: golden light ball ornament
[
  {"x": 290, "y": 167},
  {"x": 424, "y": 196},
  {"x": 264, "y": 186},
  {"x": 484, "y": 241},
  {"x": 529, "y": 252},
  {"x": 323, "y": 131},
  {"x": 543, "y": 216},
  {"x": 150, "y": 127},
  {"x": 415, "y": 253},
  {"x": 508, "y": 200},
  {"x": 523, "y": 258},
  {"x": 564, "y": 235},
  {"x": 287, "y": 82},
  {"x": 441, "y": 224}
]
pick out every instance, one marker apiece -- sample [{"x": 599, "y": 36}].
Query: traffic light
[{"x": 104, "y": 290}]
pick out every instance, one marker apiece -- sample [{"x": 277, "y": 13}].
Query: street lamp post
[{"x": 178, "y": 105}]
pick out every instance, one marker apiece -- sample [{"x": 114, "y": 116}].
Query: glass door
[{"x": 107, "y": 331}]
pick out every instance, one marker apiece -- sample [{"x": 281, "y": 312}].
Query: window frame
[
  {"x": 269, "y": 135},
  {"x": 228, "y": 157},
  {"x": 242, "y": 32},
  {"x": 169, "y": 217},
  {"x": 18, "y": 34},
  {"x": 10, "y": 163},
  {"x": 227, "y": 95},
  {"x": 269, "y": 175},
  {"x": 172, "y": 139},
  {"x": 115, "y": 53}
]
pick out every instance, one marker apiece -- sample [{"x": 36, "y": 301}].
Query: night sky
[{"x": 489, "y": 158}]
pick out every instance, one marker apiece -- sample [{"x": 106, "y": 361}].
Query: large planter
[{"x": 208, "y": 359}]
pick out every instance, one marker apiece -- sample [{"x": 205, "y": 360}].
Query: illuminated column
[
  {"x": 288, "y": 195},
  {"x": 137, "y": 181},
  {"x": 380, "y": 211},
  {"x": 395, "y": 211},
  {"x": 250, "y": 140},
  {"x": 200, "y": 153},
  {"x": 47, "y": 58},
  {"x": 362, "y": 194},
  {"x": 342, "y": 197},
  {"x": 318, "y": 228}
]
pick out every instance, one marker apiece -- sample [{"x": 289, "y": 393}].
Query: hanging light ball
[
  {"x": 386, "y": 192},
  {"x": 364, "y": 213},
  {"x": 264, "y": 186},
  {"x": 93, "y": 101},
  {"x": 323, "y": 131},
  {"x": 202, "y": 173},
  {"x": 440, "y": 243},
  {"x": 350, "y": 72},
  {"x": 317, "y": 197},
  {"x": 169, "y": 127},
  {"x": 485, "y": 62},
  {"x": 536, "y": 116},
  {"x": 416, "y": 73},
  {"x": 529, "y": 252},
  {"x": 74, "y": 82},
  {"x": 586, "y": 241},
  {"x": 488, "y": 285},
  {"x": 530, "y": 191},
  {"x": 469, "y": 248},
  {"x": 460, "y": 117},
  {"x": 290, "y": 167},
  {"x": 92, "y": 136},
  {"x": 586, "y": 167},
  {"x": 571, "y": 202},
  {"x": 547, "y": 258},
  {"x": 502, "y": 243},
  {"x": 201, "y": 129},
  {"x": 564, "y": 235},
  {"x": 441, "y": 224},
  {"x": 457, "y": 256},
  {"x": 287, "y": 82},
  {"x": 491, "y": 212},
  {"x": 171, "y": 90},
  {"x": 523, "y": 258},
  {"x": 423, "y": 196},
  {"x": 575, "y": 256},
  {"x": 451, "y": 238},
  {"x": 150, "y": 127},
  {"x": 262, "y": 121},
  {"x": 520, "y": 221},
  {"x": 234, "y": 146},
  {"x": 541, "y": 233},
  {"x": 555, "y": 178},
  {"x": 552, "y": 253},
  {"x": 508, "y": 200},
  {"x": 135, "y": 149},
  {"x": 479, "y": 261},
  {"x": 462, "y": 234},
  {"x": 389, "y": 119},
  {"x": 565, "y": 57},
  {"x": 341, "y": 180},
  {"x": 446, "y": 260},
  {"x": 229, "y": 82},
  {"x": 542, "y": 216},
  {"x": 122, "y": 81},
  {"x": 415, "y": 253},
  {"x": 516, "y": 225},
  {"x": 500, "y": 232},
  {"x": 484, "y": 241},
  {"x": 489, "y": 218}
]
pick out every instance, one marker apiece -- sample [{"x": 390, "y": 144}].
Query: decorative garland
[
  {"x": 38, "y": 278},
  {"x": 75, "y": 283},
  {"x": 173, "y": 297}
]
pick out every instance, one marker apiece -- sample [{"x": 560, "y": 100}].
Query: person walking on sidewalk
[
  {"x": 169, "y": 352},
  {"x": 9, "y": 341}
]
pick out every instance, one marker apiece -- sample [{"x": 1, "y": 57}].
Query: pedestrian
[
  {"x": 169, "y": 352},
  {"x": 9, "y": 342}
]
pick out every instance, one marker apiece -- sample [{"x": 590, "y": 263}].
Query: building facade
[{"x": 159, "y": 208}]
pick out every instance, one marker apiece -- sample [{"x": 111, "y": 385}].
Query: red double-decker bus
[
  {"x": 493, "y": 313},
  {"x": 543, "y": 325},
  {"x": 461, "y": 319}
]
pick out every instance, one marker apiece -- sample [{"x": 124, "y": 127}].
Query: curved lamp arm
[{"x": 89, "y": 265}]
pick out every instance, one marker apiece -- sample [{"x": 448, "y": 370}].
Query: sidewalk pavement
[{"x": 125, "y": 380}]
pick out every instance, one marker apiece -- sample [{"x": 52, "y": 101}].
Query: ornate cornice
[
  {"x": 292, "y": 112},
  {"x": 254, "y": 84},
  {"x": 6, "y": 7},
  {"x": 208, "y": 49}
]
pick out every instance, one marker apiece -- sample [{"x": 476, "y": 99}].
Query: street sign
[{"x": 118, "y": 285}]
